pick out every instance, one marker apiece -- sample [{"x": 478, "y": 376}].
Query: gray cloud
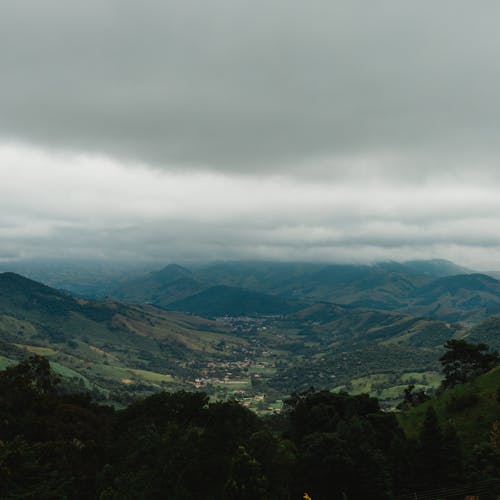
[
  {"x": 62, "y": 205},
  {"x": 192, "y": 129},
  {"x": 387, "y": 88}
]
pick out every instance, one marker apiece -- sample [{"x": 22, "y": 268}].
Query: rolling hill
[
  {"x": 106, "y": 343},
  {"x": 169, "y": 284},
  {"x": 436, "y": 288},
  {"x": 262, "y": 346},
  {"x": 454, "y": 298},
  {"x": 224, "y": 300}
]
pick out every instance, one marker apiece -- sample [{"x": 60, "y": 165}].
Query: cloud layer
[
  {"x": 187, "y": 129},
  {"x": 87, "y": 206},
  {"x": 262, "y": 86}
]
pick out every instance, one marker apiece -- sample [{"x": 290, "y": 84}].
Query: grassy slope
[
  {"x": 115, "y": 345},
  {"x": 473, "y": 422},
  {"x": 106, "y": 343}
]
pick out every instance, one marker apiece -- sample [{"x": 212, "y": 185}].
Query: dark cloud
[{"x": 256, "y": 86}]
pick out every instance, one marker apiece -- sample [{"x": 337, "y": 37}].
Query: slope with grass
[
  {"x": 472, "y": 408},
  {"x": 107, "y": 343},
  {"x": 122, "y": 347}
]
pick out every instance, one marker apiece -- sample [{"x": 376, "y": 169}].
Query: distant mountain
[
  {"x": 434, "y": 268},
  {"x": 486, "y": 332},
  {"x": 89, "y": 278},
  {"x": 493, "y": 274},
  {"x": 455, "y": 298},
  {"x": 352, "y": 326},
  {"x": 435, "y": 288},
  {"x": 123, "y": 279},
  {"x": 452, "y": 284},
  {"x": 360, "y": 286},
  {"x": 171, "y": 274},
  {"x": 172, "y": 283},
  {"x": 232, "y": 301},
  {"x": 385, "y": 286}
]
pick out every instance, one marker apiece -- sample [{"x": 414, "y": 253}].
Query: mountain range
[
  {"x": 437, "y": 289},
  {"x": 257, "y": 343}
]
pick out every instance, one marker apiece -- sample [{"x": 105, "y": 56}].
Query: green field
[
  {"x": 6, "y": 362},
  {"x": 40, "y": 351},
  {"x": 151, "y": 376}
]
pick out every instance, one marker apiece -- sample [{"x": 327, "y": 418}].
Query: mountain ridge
[{"x": 435, "y": 288}]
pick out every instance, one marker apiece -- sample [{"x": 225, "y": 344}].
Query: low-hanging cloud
[{"x": 63, "y": 205}]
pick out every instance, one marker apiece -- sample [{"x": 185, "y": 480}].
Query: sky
[{"x": 184, "y": 130}]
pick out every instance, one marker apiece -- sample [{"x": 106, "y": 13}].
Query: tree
[
  {"x": 441, "y": 459},
  {"x": 412, "y": 397},
  {"x": 246, "y": 480},
  {"x": 453, "y": 457},
  {"x": 431, "y": 444},
  {"x": 51, "y": 443},
  {"x": 32, "y": 375},
  {"x": 464, "y": 361}
]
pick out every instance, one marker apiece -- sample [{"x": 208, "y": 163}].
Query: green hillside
[
  {"x": 108, "y": 345},
  {"x": 487, "y": 332},
  {"x": 469, "y": 297},
  {"x": 471, "y": 408},
  {"x": 161, "y": 287},
  {"x": 116, "y": 347},
  {"x": 435, "y": 288},
  {"x": 232, "y": 301}
]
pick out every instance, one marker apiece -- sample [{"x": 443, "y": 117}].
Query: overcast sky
[{"x": 180, "y": 130}]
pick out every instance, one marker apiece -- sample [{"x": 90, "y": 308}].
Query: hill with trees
[
  {"x": 122, "y": 351},
  {"x": 55, "y": 444},
  {"x": 469, "y": 395},
  {"x": 107, "y": 345},
  {"x": 232, "y": 301},
  {"x": 435, "y": 288}
]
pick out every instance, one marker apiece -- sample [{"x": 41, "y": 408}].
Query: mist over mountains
[{"x": 435, "y": 288}]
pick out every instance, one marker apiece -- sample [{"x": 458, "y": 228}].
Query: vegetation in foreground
[{"x": 57, "y": 445}]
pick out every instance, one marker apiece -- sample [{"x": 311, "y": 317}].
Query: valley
[{"x": 234, "y": 342}]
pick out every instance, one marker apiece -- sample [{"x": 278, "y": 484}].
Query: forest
[{"x": 56, "y": 444}]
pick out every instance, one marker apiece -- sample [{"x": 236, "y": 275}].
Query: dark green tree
[
  {"x": 51, "y": 443},
  {"x": 246, "y": 480},
  {"x": 464, "y": 361},
  {"x": 412, "y": 397},
  {"x": 453, "y": 473},
  {"x": 431, "y": 456}
]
